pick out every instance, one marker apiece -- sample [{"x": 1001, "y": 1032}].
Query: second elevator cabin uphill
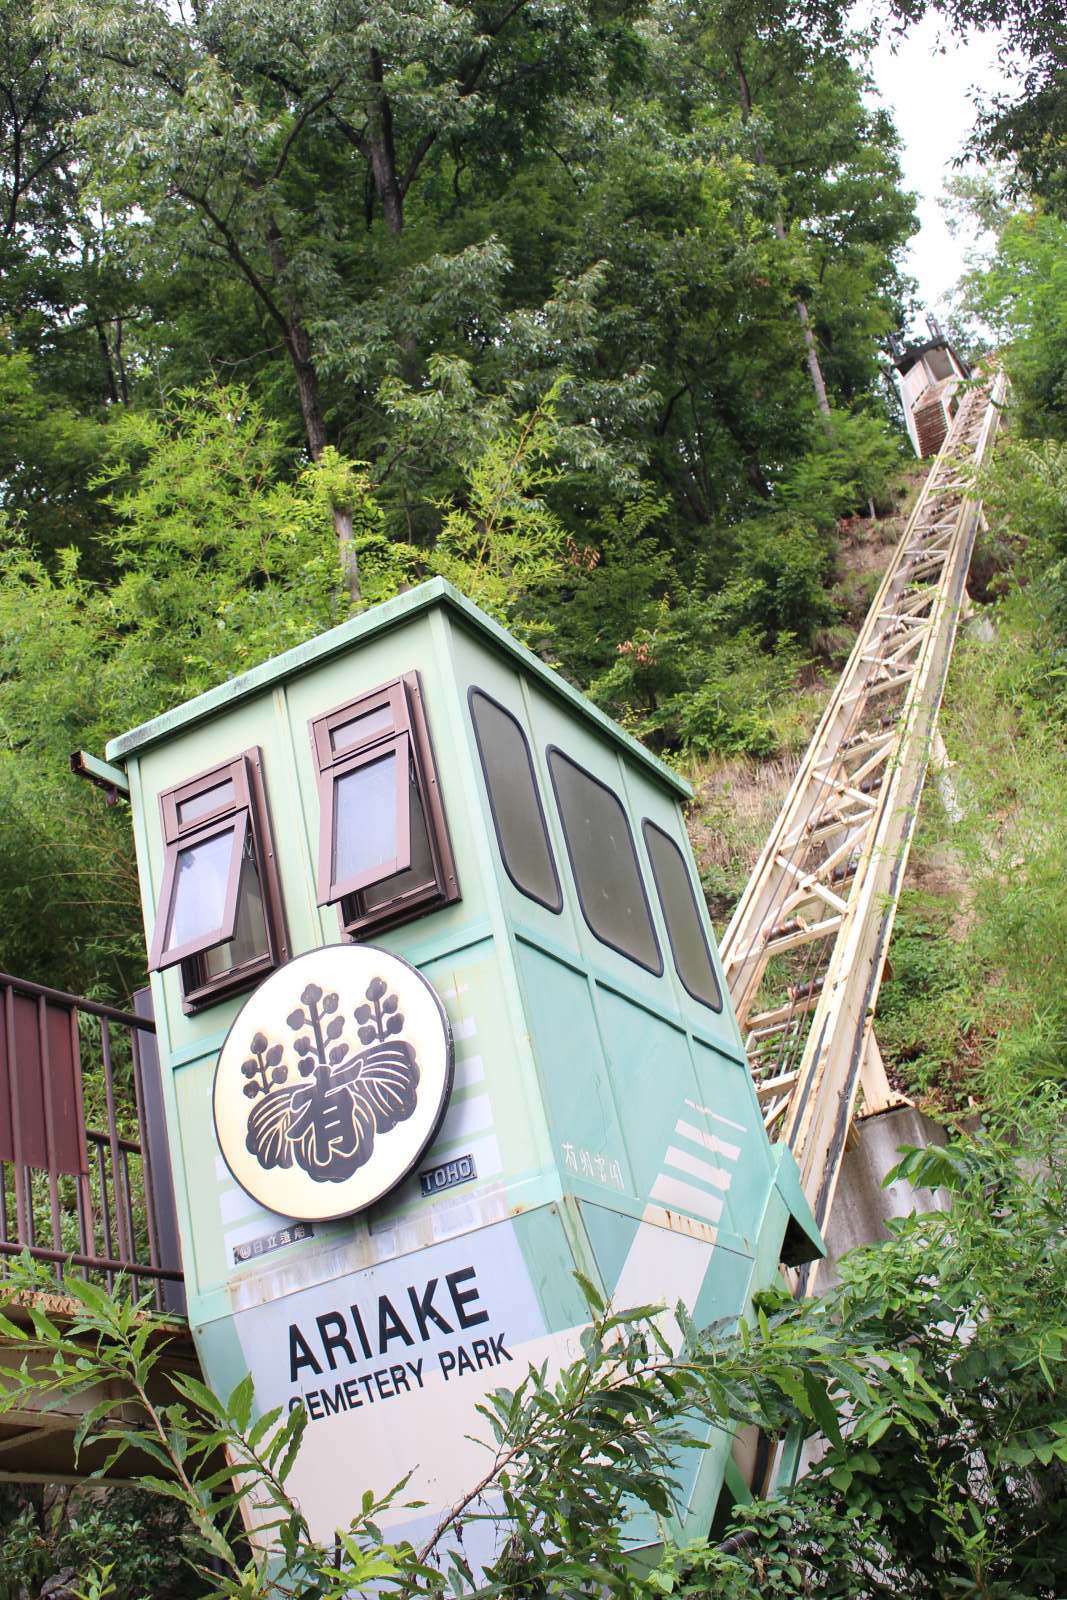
[{"x": 441, "y": 1022}]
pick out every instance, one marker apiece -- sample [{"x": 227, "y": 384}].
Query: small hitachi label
[
  {"x": 272, "y": 1241},
  {"x": 448, "y": 1174}
]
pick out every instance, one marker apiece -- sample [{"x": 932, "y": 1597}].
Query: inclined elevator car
[{"x": 441, "y": 1023}]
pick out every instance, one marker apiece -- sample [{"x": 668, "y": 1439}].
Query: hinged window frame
[
  {"x": 408, "y": 734},
  {"x": 161, "y": 957},
  {"x": 330, "y": 888},
  {"x": 249, "y": 816}
]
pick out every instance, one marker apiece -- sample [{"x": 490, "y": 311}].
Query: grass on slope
[{"x": 975, "y": 1006}]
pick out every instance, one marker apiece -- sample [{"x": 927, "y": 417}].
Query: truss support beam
[
  {"x": 823, "y": 895},
  {"x": 876, "y": 1090}
]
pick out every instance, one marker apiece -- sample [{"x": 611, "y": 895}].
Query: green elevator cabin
[{"x": 385, "y": 1189}]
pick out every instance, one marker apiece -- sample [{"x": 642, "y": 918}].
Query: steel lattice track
[{"x": 804, "y": 952}]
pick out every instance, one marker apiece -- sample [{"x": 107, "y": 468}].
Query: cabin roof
[
  {"x": 380, "y": 619},
  {"x": 915, "y": 352}
]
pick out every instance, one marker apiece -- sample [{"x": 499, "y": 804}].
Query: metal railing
[{"x": 84, "y": 1171}]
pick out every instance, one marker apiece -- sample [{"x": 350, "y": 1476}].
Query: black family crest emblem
[
  {"x": 347, "y": 1084},
  {"x": 327, "y": 1120}
]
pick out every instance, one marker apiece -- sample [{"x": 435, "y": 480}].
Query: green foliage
[
  {"x": 797, "y": 1546},
  {"x": 933, "y": 1378},
  {"x": 979, "y": 1294},
  {"x": 571, "y": 1460},
  {"x": 695, "y": 668},
  {"x": 845, "y": 467},
  {"x": 123, "y": 1539},
  {"x": 926, "y": 1007},
  {"x": 50, "y": 453},
  {"x": 1022, "y": 295},
  {"x": 780, "y": 584},
  {"x": 706, "y": 653},
  {"x": 503, "y": 545},
  {"x": 1026, "y": 494},
  {"x": 679, "y": 680},
  {"x": 69, "y": 892},
  {"x": 223, "y": 558},
  {"x": 201, "y": 222}
]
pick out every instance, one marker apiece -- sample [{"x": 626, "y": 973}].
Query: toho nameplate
[
  {"x": 448, "y": 1175},
  {"x": 332, "y": 1081}
]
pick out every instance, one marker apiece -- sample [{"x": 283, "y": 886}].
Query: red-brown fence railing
[{"x": 84, "y": 1171}]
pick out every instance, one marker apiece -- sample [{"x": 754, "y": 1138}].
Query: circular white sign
[{"x": 332, "y": 1081}]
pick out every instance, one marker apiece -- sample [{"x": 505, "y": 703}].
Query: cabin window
[
  {"x": 384, "y": 851},
  {"x": 604, "y": 863},
  {"x": 685, "y": 928},
  {"x": 939, "y": 364},
  {"x": 220, "y": 912},
  {"x": 515, "y": 801}
]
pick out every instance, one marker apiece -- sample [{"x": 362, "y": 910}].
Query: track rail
[{"x": 806, "y": 946}]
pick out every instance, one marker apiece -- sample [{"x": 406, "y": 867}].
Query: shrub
[{"x": 845, "y": 466}]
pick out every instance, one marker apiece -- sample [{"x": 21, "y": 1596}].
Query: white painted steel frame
[{"x": 830, "y": 873}]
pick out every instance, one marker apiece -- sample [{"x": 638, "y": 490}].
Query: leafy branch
[{"x": 574, "y": 1457}]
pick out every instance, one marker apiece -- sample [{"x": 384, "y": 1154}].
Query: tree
[
  {"x": 1022, "y": 294},
  {"x": 61, "y": 305},
  {"x": 1028, "y": 131},
  {"x": 262, "y": 142}
]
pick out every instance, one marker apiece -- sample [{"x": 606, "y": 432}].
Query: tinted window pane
[
  {"x": 515, "y": 803},
  {"x": 364, "y": 835},
  {"x": 939, "y": 364},
  {"x": 201, "y": 875},
  {"x": 604, "y": 862},
  {"x": 360, "y": 729},
  {"x": 209, "y": 800},
  {"x": 692, "y": 957},
  {"x": 421, "y": 870},
  {"x": 249, "y": 940}
]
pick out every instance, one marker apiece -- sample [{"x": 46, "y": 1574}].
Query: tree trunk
[
  {"x": 387, "y": 184},
  {"x": 382, "y": 150},
  {"x": 342, "y": 521},
  {"x": 120, "y": 364},
  {"x": 754, "y": 474},
  {"x": 109, "y": 370},
  {"x": 818, "y": 383},
  {"x": 298, "y": 346},
  {"x": 817, "y": 380}
]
